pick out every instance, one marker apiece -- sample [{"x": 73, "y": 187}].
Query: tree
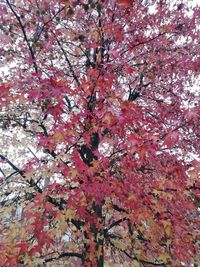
[{"x": 99, "y": 133}]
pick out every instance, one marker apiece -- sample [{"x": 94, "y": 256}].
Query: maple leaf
[
  {"x": 23, "y": 247},
  {"x": 164, "y": 257},
  {"x": 124, "y": 3},
  {"x": 109, "y": 119},
  {"x": 171, "y": 139}
]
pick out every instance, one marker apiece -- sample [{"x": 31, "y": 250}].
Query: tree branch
[
  {"x": 66, "y": 254},
  {"x": 24, "y": 34},
  {"x": 139, "y": 260},
  {"x": 12, "y": 165},
  {"x": 68, "y": 62},
  {"x": 116, "y": 223}
]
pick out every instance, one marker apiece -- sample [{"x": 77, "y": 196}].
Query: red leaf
[
  {"x": 124, "y": 3},
  {"x": 23, "y": 247}
]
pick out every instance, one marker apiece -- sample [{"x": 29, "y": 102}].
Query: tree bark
[{"x": 98, "y": 237}]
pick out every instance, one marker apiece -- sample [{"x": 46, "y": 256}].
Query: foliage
[{"x": 99, "y": 133}]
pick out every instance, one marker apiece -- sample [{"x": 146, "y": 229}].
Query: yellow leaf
[
  {"x": 70, "y": 214},
  {"x": 70, "y": 245},
  {"x": 95, "y": 35},
  {"x": 168, "y": 228},
  {"x": 164, "y": 257},
  {"x": 135, "y": 263},
  {"x": 74, "y": 173},
  {"x": 62, "y": 224},
  {"x": 119, "y": 244},
  {"x": 62, "y": 219},
  {"x": 131, "y": 197},
  {"x": 107, "y": 201},
  {"x": 58, "y": 137},
  {"x": 38, "y": 261}
]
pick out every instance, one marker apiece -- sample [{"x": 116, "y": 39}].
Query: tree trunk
[
  {"x": 98, "y": 261},
  {"x": 98, "y": 237}
]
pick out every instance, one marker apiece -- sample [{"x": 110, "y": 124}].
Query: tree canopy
[{"x": 99, "y": 118}]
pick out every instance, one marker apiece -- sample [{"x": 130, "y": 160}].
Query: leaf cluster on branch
[{"x": 99, "y": 133}]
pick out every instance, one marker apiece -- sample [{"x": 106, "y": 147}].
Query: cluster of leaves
[{"x": 96, "y": 94}]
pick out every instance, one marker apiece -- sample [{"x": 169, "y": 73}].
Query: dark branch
[
  {"x": 24, "y": 34},
  {"x": 66, "y": 254},
  {"x": 68, "y": 62},
  {"x": 116, "y": 223},
  {"x": 117, "y": 208},
  {"x": 12, "y": 165}
]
